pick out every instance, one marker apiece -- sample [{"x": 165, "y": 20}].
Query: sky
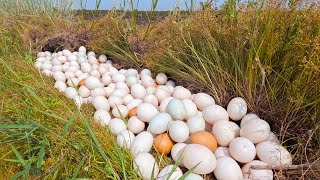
[{"x": 143, "y": 5}]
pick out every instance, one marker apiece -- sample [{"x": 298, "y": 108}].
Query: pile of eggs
[{"x": 167, "y": 117}]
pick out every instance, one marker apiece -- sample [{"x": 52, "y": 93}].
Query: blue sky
[{"x": 143, "y": 4}]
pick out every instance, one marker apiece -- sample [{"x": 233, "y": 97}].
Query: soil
[{"x": 65, "y": 41}]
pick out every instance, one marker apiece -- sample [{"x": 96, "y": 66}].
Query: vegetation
[{"x": 266, "y": 52}]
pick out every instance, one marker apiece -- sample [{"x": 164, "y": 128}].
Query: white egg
[
  {"x": 161, "y": 94},
  {"x": 69, "y": 74},
  {"x": 122, "y": 85},
  {"x": 47, "y": 72},
  {"x": 116, "y": 126},
  {"x": 91, "y": 53},
  {"x": 236, "y": 129},
  {"x": 199, "y": 156},
  {"x": 83, "y": 76},
  {"x": 100, "y": 102},
  {"x": 174, "y": 172},
  {"x": 108, "y": 91},
  {"x": 178, "y": 131},
  {"x": 176, "y": 109},
  {"x": 134, "y": 103},
  {"x": 191, "y": 108},
  {"x": 61, "y": 86},
  {"x": 73, "y": 82},
  {"x": 131, "y": 72},
  {"x": 82, "y": 49},
  {"x": 115, "y": 100},
  {"x": 78, "y": 101},
  {"x": 171, "y": 83},
  {"x": 237, "y": 108},
  {"x": 147, "y": 81},
  {"x": 59, "y": 76},
  {"x": 71, "y": 92},
  {"x": 118, "y": 77},
  {"x": 222, "y": 151},
  {"x": 41, "y": 54},
  {"x": 62, "y": 59},
  {"x": 123, "y": 109},
  {"x": 73, "y": 68},
  {"x": 223, "y": 132},
  {"x": 146, "y": 111},
  {"x": 102, "y": 116},
  {"x": 164, "y": 103},
  {"x": 86, "y": 67},
  {"x": 272, "y": 138},
  {"x": 99, "y": 91},
  {"x": 55, "y": 62},
  {"x": 92, "y": 82},
  {"x": 113, "y": 70},
  {"x": 159, "y": 123},
  {"x": 112, "y": 85},
  {"x": 131, "y": 80},
  {"x": 273, "y": 154},
  {"x": 202, "y": 100},
  {"x": 150, "y": 98},
  {"x": 102, "y": 69},
  {"x": 145, "y": 72},
  {"x": 56, "y": 68},
  {"x": 214, "y": 113},
  {"x": 95, "y": 73},
  {"x": 256, "y": 131},
  {"x": 84, "y": 91},
  {"x": 193, "y": 176},
  {"x": 135, "y": 125},
  {"x": 180, "y": 92},
  {"x": 125, "y": 138},
  {"x": 81, "y": 59},
  {"x": 176, "y": 152},
  {"x": 142, "y": 143},
  {"x": 138, "y": 91},
  {"x": 151, "y": 90},
  {"x": 46, "y": 66},
  {"x": 242, "y": 150},
  {"x": 102, "y": 58},
  {"x": 161, "y": 79},
  {"x": 145, "y": 164},
  {"x": 248, "y": 118},
  {"x": 255, "y": 174},
  {"x": 120, "y": 92},
  {"x": 127, "y": 98},
  {"x": 227, "y": 168},
  {"x": 196, "y": 123}
]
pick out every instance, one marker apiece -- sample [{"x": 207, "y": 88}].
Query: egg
[
  {"x": 102, "y": 70},
  {"x": 135, "y": 125},
  {"x": 83, "y": 76},
  {"x": 171, "y": 83},
  {"x": 196, "y": 123},
  {"x": 71, "y": 92},
  {"x": 102, "y": 58},
  {"x": 248, "y": 118},
  {"x": 252, "y": 174},
  {"x": 237, "y": 108},
  {"x": 127, "y": 98},
  {"x": 223, "y": 132},
  {"x": 131, "y": 80},
  {"x": 242, "y": 150},
  {"x": 163, "y": 143},
  {"x": 159, "y": 123},
  {"x": 145, "y": 72},
  {"x": 134, "y": 103},
  {"x": 164, "y": 103},
  {"x": 117, "y": 125},
  {"x": 61, "y": 86},
  {"x": 118, "y": 77},
  {"x": 236, "y": 129},
  {"x": 214, "y": 113},
  {"x": 120, "y": 92},
  {"x": 123, "y": 111},
  {"x": 125, "y": 138},
  {"x": 272, "y": 138},
  {"x": 100, "y": 102},
  {"x": 191, "y": 108},
  {"x": 227, "y": 168},
  {"x": 199, "y": 156},
  {"x": 147, "y": 81},
  {"x": 180, "y": 92},
  {"x": 176, "y": 109},
  {"x": 204, "y": 138},
  {"x": 85, "y": 67},
  {"x": 138, "y": 91},
  {"x": 202, "y": 100},
  {"x": 145, "y": 164},
  {"x": 256, "y": 130},
  {"x": 59, "y": 76},
  {"x": 150, "y": 98},
  {"x": 161, "y": 94},
  {"x": 161, "y": 79},
  {"x": 273, "y": 154},
  {"x": 176, "y": 152},
  {"x": 142, "y": 143},
  {"x": 178, "y": 131},
  {"x": 92, "y": 82},
  {"x": 131, "y": 72},
  {"x": 222, "y": 151},
  {"x": 82, "y": 49},
  {"x": 146, "y": 111},
  {"x": 73, "y": 82},
  {"x": 102, "y": 116},
  {"x": 106, "y": 79},
  {"x": 78, "y": 101},
  {"x": 108, "y": 91},
  {"x": 174, "y": 172},
  {"x": 151, "y": 90},
  {"x": 115, "y": 100},
  {"x": 193, "y": 176}
]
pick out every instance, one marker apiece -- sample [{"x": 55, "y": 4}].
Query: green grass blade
[
  {"x": 16, "y": 126},
  {"x": 18, "y": 175},
  {"x": 79, "y": 168},
  {"x": 65, "y": 128},
  {"x": 19, "y": 156},
  {"x": 40, "y": 156},
  {"x": 188, "y": 172}
]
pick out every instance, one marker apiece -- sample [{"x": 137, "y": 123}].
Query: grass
[{"x": 267, "y": 53}]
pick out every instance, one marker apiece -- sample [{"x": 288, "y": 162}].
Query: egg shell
[
  {"x": 78, "y": 101},
  {"x": 273, "y": 153},
  {"x": 236, "y": 129},
  {"x": 83, "y": 76},
  {"x": 145, "y": 164},
  {"x": 164, "y": 103},
  {"x": 214, "y": 113},
  {"x": 146, "y": 111},
  {"x": 59, "y": 76},
  {"x": 204, "y": 138},
  {"x": 102, "y": 58},
  {"x": 255, "y": 174},
  {"x": 272, "y": 138},
  {"x": 242, "y": 150},
  {"x": 134, "y": 103},
  {"x": 102, "y": 116},
  {"x": 159, "y": 123},
  {"x": 150, "y": 98},
  {"x": 118, "y": 77},
  {"x": 227, "y": 168},
  {"x": 115, "y": 100},
  {"x": 106, "y": 79},
  {"x": 71, "y": 92},
  {"x": 135, "y": 125},
  {"x": 176, "y": 109},
  {"x": 196, "y": 123},
  {"x": 82, "y": 49},
  {"x": 237, "y": 108},
  {"x": 256, "y": 130},
  {"x": 191, "y": 107},
  {"x": 108, "y": 91},
  {"x": 131, "y": 80},
  {"x": 102, "y": 70},
  {"x": 92, "y": 82},
  {"x": 127, "y": 98},
  {"x": 95, "y": 73},
  {"x": 117, "y": 125},
  {"x": 223, "y": 132},
  {"x": 98, "y": 92},
  {"x": 125, "y": 138},
  {"x": 194, "y": 154},
  {"x": 138, "y": 91},
  {"x": 179, "y": 131},
  {"x": 131, "y": 72},
  {"x": 145, "y": 72},
  {"x": 175, "y": 172},
  {"x": 202, "y": 100},
  {"x": 170, "y": 83},
  {"x": 222, "y": 151},
  {"x": 248, "y": 118},
  {"x": 123, "y": 111},
  {"x": 85, "y": 67},
  {"x": 176, "y": 152},
  {"x": 120, "y": 92},
  {"x": 142, "y": 143},
  {"x": 193, "y": 176},
  {"x": 100, "y": 102},
  {"x": 47, "y": 72},
  {"x": 61, "y": 86},
  {"x": 163, "y": 143},
  {"x": 147, "y": 81},
  {"x": 151, "y": 90},
  {"x": 161, "y": 79},
  {"x": 180, "y": 92},
  {"x": 73, "y": 82}
]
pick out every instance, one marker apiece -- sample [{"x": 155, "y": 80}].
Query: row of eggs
[{"x": 167, "y": 117}]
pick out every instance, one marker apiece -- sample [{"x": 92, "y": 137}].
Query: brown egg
[
  {"x": 132, "y": 112},
  {"x": 81, "y": 82},
  {"x": 163, "y": 143},
  {"x": 204, "y": 138}
]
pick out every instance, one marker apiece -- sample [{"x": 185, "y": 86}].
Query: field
[{"x": 268, "y": 53}]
